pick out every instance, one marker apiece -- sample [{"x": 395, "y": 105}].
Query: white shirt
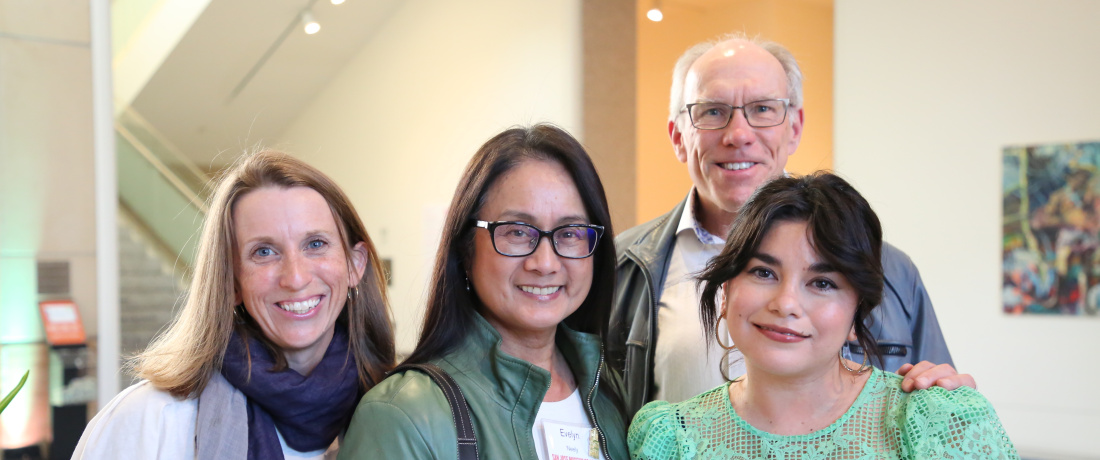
[
  {"x": 147, "y": 423},
  {"x": 682, "y": 365},
  {"x": 569, "y": 410}
]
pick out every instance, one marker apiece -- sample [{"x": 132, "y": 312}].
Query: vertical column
[
  {"x": 106, "y": 203},
  {"x": 609, "y": 102}
]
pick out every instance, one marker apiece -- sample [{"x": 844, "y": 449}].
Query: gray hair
[{"x": 781, "y": 53}]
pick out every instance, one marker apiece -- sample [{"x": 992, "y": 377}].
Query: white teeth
[
  {"x": 299, "y": 307},
  {"x": 540, "y": 291},
  {"x": 736, "y": 166}
]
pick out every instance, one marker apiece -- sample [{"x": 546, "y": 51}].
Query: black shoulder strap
[{"x": 460, "y": 410}]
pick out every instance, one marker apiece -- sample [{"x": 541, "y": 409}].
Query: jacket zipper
[{"x": 592, "y": 412}]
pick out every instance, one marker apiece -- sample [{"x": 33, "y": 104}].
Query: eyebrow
[
  {"x": 528, "y": 218},
  {"x": 820, "y": 267},
  {"x": 267, "y": 239}
]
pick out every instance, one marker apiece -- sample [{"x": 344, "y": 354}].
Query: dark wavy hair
[
  {"x": 842, "y": 228},
  {"x": 451, "y": 308}
]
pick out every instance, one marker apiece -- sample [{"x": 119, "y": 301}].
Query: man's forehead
[{"x": 738, "y": 63}]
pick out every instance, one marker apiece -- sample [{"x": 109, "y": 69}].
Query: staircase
[
  {"x": 161, "y": 207},
  {"x": 150, "y": 286}
]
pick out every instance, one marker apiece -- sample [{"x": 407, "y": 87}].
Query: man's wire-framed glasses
[
  {"x": 759, "y": 114},
  {"x": 518, "y": 239}
]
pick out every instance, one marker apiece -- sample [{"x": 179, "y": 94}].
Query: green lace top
[{"x": 883, "y": 423}]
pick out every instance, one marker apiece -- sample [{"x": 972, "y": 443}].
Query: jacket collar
[
  {"x": 480, "y": 359},
  {"x": 652, "y": 248},
  {"x": 689, "y": 222}
]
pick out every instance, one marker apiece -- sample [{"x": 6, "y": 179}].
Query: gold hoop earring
[
  {"x": 353, "y": 293},
  {"x": 726, "y": 360},
  {"x": 844, "y": 361},
  {"x": 718, "y": 336}
]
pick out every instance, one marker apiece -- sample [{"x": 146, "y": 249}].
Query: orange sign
[{"x": 62, "y": 321}]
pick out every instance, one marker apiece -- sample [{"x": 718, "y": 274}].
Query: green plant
[{"x": 7, "y": 399}]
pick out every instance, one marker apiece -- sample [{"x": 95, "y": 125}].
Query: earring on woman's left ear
[
  {"x": 238, "y": 314},
  {"x": 718, "y": 336},
  {"x": 846, "y": 354}
]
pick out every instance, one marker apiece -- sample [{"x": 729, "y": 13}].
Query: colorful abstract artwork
[{"x": 1052, "y": 229}]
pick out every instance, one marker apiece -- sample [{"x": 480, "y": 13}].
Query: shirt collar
[{"x": 689, "y": 222}]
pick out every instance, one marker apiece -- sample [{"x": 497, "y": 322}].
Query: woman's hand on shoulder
[{"x": 925, "y": 375}]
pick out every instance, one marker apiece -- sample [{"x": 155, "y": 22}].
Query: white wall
[
  {"x": 397, "y": 126},
  {"x": 927, "y": 95},
  {"x": 47, "y": 190}
]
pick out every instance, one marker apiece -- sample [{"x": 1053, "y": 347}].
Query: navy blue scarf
[{"x": 309, "y": 411}]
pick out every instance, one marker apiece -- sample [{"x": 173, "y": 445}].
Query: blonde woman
[{"x": 284, "y": 327}]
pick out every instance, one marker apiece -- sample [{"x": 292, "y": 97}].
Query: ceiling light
[
  {"x": 310, "y": 24},
  {"x": 655, "y": 15},
  {"x": 337, "y": 2}
]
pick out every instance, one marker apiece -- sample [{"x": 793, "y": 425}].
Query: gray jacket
[{"x": 904, "y": 323}]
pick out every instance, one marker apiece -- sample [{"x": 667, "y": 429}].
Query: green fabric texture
[
  {"x": 883, "y": 423},
  {"x": 407, "y": 417}
]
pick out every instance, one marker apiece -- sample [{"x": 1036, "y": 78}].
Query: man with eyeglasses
[{"x": 734, "y": 118}]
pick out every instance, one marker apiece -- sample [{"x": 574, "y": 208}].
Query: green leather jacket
[{"x": 406, "y": 416}]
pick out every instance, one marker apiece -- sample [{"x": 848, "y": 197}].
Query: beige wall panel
[
  {"x": 46, "y": 169},
  {"x": 53, "y": 20},
  {"x": 396, "y": 127},
  {"x": 609, "y": 102},
  {"x": 928, "y": 94}
]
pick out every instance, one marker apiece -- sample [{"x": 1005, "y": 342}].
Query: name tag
[{"x": 570, "y": 442}]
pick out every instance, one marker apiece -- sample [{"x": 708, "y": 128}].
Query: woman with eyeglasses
[
  {"x": 799, "y": 276},
  {"x": 520, "y": 295}
]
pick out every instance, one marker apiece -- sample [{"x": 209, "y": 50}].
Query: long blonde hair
[{"x": 182, "y": 358}]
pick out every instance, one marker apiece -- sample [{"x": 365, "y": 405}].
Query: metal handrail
[
  {"x": 163, "y": 169},
  {"x": 177, "y": 155}
]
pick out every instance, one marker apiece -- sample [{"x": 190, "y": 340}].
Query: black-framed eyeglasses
[
  {"x": 759, "y": 114},
  {"x": 517, "y": 239}
]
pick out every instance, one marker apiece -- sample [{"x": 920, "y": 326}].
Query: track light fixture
[{"x": 309, "y": 24}]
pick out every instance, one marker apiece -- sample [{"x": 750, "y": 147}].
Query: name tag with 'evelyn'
[{"x": 570, "y": 442}]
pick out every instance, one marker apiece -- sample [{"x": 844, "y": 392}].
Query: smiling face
[
  {"x": 291, "y": 269},
  {"x": 727, "y": 165},
  {"x": 788, "y": 311},
  {"x": 527, "y": 296}
]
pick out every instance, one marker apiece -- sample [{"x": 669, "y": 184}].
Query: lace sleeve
[
  {"x": 957, "y": 424},
  {"x": 654, "y": 433}
]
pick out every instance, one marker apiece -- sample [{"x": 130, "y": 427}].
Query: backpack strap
[{"x": 460, "y": 410}]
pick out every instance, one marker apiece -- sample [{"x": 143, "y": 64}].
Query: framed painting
[{"x": 1051, "y": 229}]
